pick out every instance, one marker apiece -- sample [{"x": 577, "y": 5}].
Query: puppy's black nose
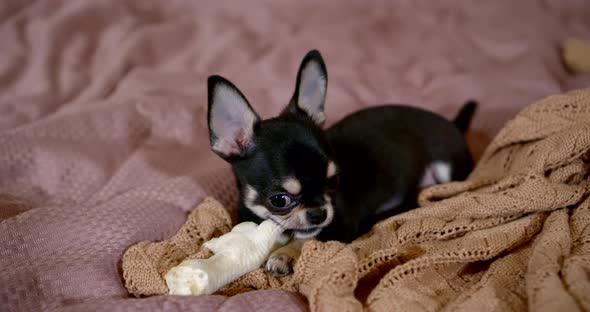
[{"x": 316, "y": 215}]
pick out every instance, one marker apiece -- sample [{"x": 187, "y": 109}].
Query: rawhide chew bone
[{"x": 236, "y": 253}]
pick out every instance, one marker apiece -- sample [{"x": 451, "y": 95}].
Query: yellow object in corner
[{"x": 576, "y": 55}]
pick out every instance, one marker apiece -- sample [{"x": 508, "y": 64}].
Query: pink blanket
[{"x": 103, "y": 139}]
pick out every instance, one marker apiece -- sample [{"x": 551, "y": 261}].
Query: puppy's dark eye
[{"x": 281, "y": 201}]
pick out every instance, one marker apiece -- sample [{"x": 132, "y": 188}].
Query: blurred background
[{"x": 55, "y": 55}]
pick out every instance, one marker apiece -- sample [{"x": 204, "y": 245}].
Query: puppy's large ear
[
  {"x": 310, "y": 90},
  {"x": 231, "y": 119}
]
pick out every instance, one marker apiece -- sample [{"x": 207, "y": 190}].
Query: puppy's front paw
[{"x": 279, "y": 264}]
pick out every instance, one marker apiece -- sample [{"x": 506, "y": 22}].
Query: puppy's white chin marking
[{"x": 304, "y": 235}]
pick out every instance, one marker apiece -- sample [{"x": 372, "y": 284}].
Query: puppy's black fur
[
  {"x": 387, "y": 160},
  {"x": 332, "y": 184}
]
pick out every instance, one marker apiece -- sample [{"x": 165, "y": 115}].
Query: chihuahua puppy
[{"x": 330, "y": 184}]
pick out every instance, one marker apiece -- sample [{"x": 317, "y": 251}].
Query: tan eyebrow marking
[{"x": 292, "y": 186}]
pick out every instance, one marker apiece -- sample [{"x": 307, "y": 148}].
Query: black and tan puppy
[{"x": 330, "y": 184}]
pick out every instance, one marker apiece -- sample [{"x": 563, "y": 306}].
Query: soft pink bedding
[{"x": 103, "y": 139}]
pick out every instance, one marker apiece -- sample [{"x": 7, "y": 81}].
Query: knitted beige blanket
[{"x": 515, "y": 235}]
